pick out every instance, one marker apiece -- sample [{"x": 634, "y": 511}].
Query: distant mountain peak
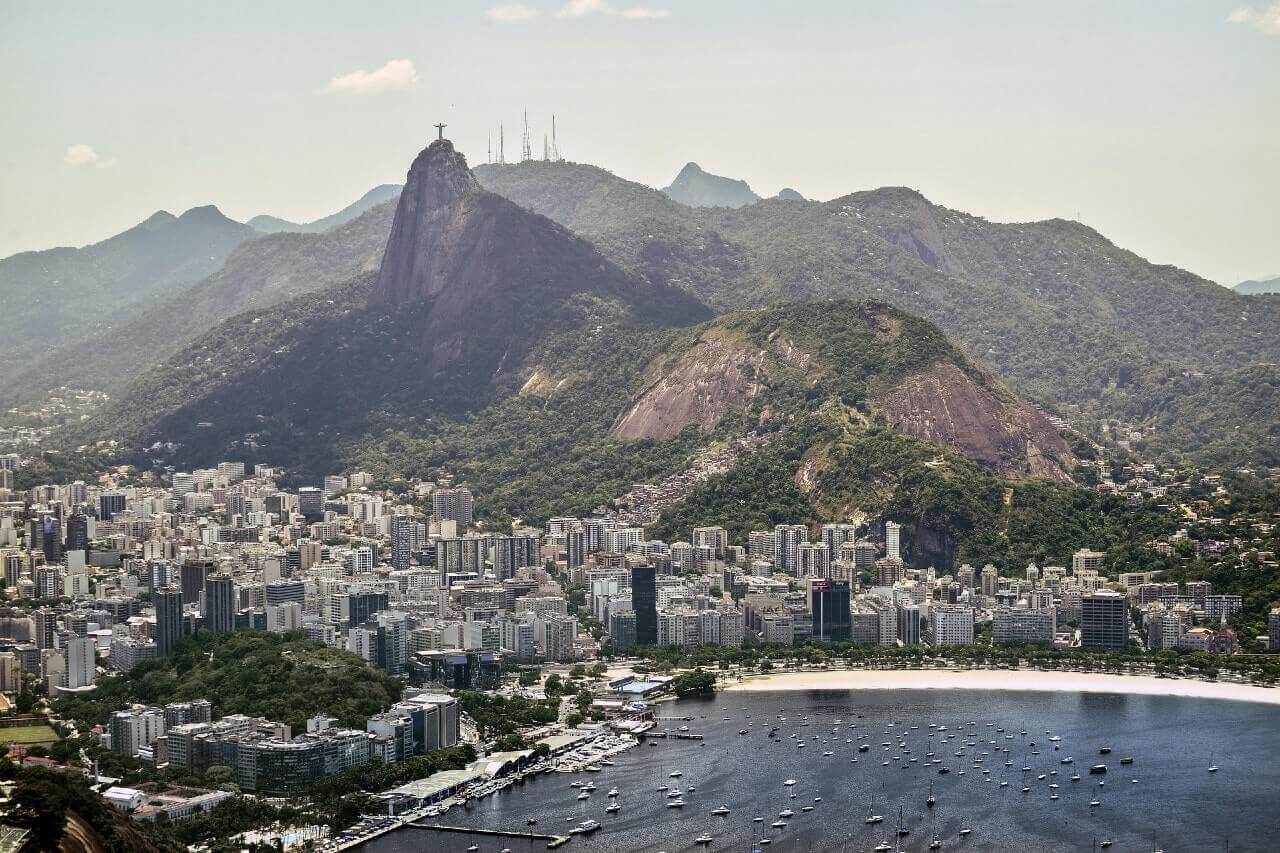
[
  {"x": 788, "y": 194},
  {"x": 158, "y": 219},
  {"x": 698, "y": 188},
  {"x": 204, "y": 213}
]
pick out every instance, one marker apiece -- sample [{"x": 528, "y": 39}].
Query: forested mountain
[
  {"x": 258, "y": 275},
  {"x": 64, "y": 296},
  {"x": 380, "y": 194},
  {"x": 1053, "y": 307}
]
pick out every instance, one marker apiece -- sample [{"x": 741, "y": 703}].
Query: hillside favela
[{"x": 718, "y": 425}]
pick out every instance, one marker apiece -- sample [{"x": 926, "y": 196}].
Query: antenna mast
[
  {"x": 502, "y": 146},
  {"x": 489, "y": 150},
  {"x": 555, "y": 148},
  {"x": 525, "y": 152}
]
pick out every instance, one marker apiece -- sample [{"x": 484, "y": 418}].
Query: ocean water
[{"x": 1175, "y": 804}]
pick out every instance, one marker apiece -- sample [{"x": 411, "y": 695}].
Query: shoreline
[{"x": 1005, "y": 680}]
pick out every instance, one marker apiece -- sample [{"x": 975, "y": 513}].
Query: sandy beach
[{"x": 985, "y": 679}]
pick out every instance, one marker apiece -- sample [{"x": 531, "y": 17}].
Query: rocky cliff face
[
  {"x": 946, "y": 406},
  {"x": 488, "y": 275},
  {"x": 716, "y": 376},
  {"x": 920, "y": 387}
]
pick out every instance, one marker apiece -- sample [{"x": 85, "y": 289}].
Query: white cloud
[
  {"x": 1263, "y": 20},
  {"x": 81, "y": 155},
  {"x": 644, "y": 13},
  {"x": 582, "y": 8},
  {"x": 396, "y": 76},
  {"x": 512, "y": 12}
]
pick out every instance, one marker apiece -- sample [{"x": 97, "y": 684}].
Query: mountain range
[
  {"x": 265, "y": 224},
  {"x": 67, "y": 294},
  {"x": 1270, "y": 284},
  {"x": 1053, "y": 308}
]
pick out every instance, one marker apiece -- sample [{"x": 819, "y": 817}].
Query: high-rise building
[
  {"x": 511, "y": 553},
  {"x": 951, "y": 625},
  {"x": 716, "y": 538},
  {"x": 990, "y": 580},
  {"x": 110, "y": 503},
  {"x": 1273, "y": 629},
  {"x": 401, "y": 540},
  {"x": 893, "y": 540},
  {"x": 453, "y": 504},
  {"x": 51, "y": 538},
  {"x": 220, "y": 604},
  {"x": 78, "y": 532},
  {"x": 168, "y": 604},
  {"x": 311, "y": 503},
  {"x": 829, "y": 606},
  {"x": 1022, "y": 627},
  {"x": 908, "y": 623},
  {"x": 644, "y": 600},
  {"x": 1085, "y": 560},
  {"x": 1104, "y": 620},
  {"x": 786, "y": 546},
  {"x": 192, "y": 575},
  {"x": 81, "y": 665}
]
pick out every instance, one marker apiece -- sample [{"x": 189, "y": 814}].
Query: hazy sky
[{"x": 1156, "y": 122}]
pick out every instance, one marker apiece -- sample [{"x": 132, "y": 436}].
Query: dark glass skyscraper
[
  {"x": 644, "y": 600},
  {"x": 220, "y": 604},
  {"x": 168, "y": 604},
  {"x": 829, "y": 604}
]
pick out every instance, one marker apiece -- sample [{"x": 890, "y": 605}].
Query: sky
[{"x": 1157, "y": 123}]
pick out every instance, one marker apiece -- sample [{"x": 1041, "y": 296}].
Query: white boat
[
  {"x": 778, "y": 824},
  {"x": 612, "y": 807},
  {"x": 584, "y": 796},
  {"x": 587, "y": 827},
  {"x": 675, "y": 804},
  {"x": 613, "y": 792},
  {"x": 785, "y": 813},
  {"x": 675, "y": 774},
  {"x": 723, "y": 810},
  {"x": 704, "y": 838},
  {"x": 789, "y": 782}
]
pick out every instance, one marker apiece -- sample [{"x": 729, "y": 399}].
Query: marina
[{"x": 747, "y": 793}]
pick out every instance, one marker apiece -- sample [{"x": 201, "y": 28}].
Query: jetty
[{"x": 553, "y": 841}]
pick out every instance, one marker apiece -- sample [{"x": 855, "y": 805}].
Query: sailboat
[
  {"x": 929, "y": 802},
  {"x": 1213, "y": 768},
  {"x": 872, "y": 817}
]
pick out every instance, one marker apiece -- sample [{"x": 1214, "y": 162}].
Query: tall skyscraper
[
  {"x": 1104, "y": 620},
  {"x": 51, "y": 538},
  {"x": 192, "y": 575},
  {"x": 401, "y": 540},
  {"x": 220, "y": 604},
  {"x": 168, "y": 604},
  {"x": 786, "y": 545},
  {"x": 81, "y": 666},
  {"x": 893, "y": 540},
  {"x": 644, "y": 600},
  {"x": 78, "y": 532},
  {"x": 829, "y": 605}
]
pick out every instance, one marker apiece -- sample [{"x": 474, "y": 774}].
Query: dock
[{"x": 553, "y": 841}]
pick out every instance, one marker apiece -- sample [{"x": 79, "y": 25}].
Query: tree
[
  {"x": 699, "y": 682},
  {"x": 552, "y": 685}
]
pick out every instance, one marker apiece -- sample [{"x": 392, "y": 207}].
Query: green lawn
[{"x": 28, "y": 734}]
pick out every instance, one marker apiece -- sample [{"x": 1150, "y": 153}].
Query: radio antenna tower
[
  {"x": 546, "y": 149},
  {"x": 525, "y": 152},
  {"x": 555, "y": 149},
  {"x": 502, "y": 146},
  {"x": 489, "y": 155}
]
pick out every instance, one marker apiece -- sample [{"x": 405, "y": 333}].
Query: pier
[{"x": 553, "y": 841}]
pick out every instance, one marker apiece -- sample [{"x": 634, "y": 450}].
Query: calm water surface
[{"x": 1175, "y": 805}]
